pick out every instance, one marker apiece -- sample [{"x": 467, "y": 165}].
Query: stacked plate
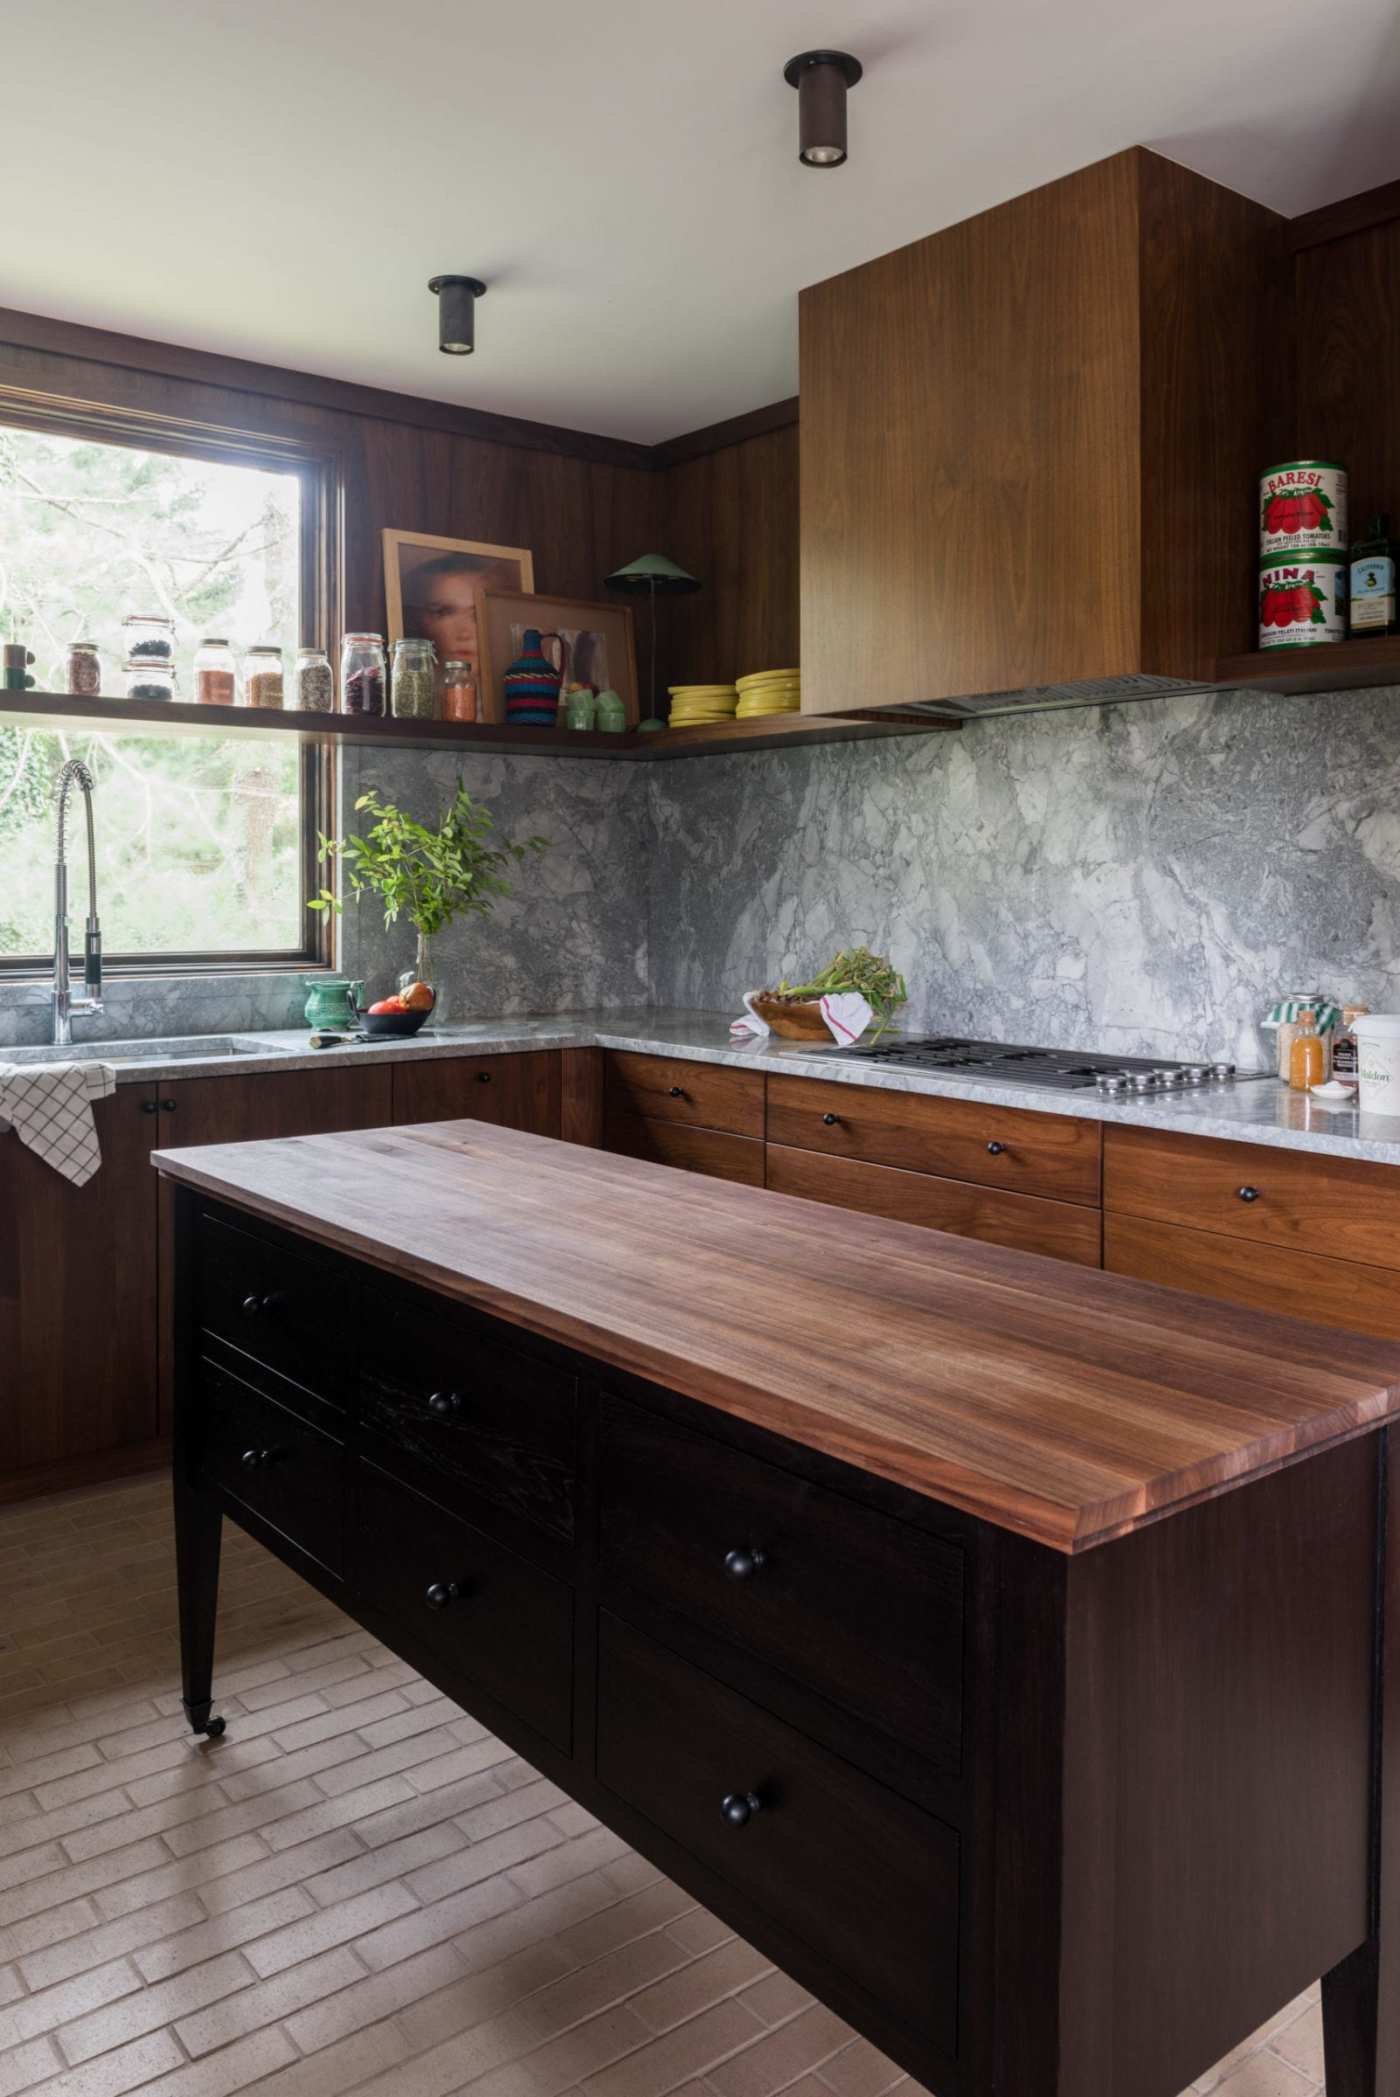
[
  {"x": 769, "y": 692},
  {"x": 693, "y": 705}
]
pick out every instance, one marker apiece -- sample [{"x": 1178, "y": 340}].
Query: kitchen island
[{"x": 999, "y": 1644}]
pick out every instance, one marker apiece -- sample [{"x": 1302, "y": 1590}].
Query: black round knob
[
  {"x": 742, "y": 1565},
  {"x": 441, "y": 1593},
  {"x": 150, "y": 1106},
  {"x": 483, "y": 1077},
  {"x": 251, "y": 1306},
  {"x": 739, "y": 1807},
  {"x": 252, "y": 1459},
  {"x": 995, "y": 1149},
  {"x": 168, "y": 1106},
  {"x": 831, "y": 1120},
  {"x": 1249, "y": 1194},
  {"x": 676, "y": 1092},
  {"x": 445, "y": 1402}
]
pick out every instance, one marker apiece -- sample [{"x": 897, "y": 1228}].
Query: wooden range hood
[{"x": 1030, "y": 443}]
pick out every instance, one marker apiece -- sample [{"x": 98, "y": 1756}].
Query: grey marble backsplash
[{"x": 1135, "y": 878}]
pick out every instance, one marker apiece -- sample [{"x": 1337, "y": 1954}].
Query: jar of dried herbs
[
  {"x": 84, "y": 669},
  {"x": 313, "y": 682},
  {"x": 413, "y": 691},
  {"x": 262, "y": 677}
]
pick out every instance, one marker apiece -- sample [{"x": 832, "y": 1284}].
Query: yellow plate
[
  {"x": 752, "y": 713},
  {"x": 704, "y": 706},
  {"x": 768, "y": 677},
  {"x": 695, "y": 691}
]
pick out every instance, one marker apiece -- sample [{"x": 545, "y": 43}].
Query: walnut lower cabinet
[{"x": 1039, "y": 1824}]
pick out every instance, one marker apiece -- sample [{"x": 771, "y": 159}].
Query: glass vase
[{"x": 422, "y": 972}]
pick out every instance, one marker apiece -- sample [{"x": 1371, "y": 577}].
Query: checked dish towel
[{"x": 50, "y": 1110}]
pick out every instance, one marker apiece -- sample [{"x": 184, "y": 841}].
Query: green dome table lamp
[{"x": 653, "y": 573}]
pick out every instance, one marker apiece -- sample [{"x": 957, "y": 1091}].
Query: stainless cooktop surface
[{"x": 1062, "y": 1070}]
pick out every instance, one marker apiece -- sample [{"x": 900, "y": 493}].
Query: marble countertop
[{"x": 1248, "y": 1111}]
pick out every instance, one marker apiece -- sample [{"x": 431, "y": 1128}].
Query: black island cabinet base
[{"x": 1037, "y": 1823}]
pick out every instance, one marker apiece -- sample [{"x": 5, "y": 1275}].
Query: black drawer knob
[
  {"x": 742, "y": 1565},
  {"x": 677, "y": 1093},
  {"x": 168, "y": 1106},
  {"x": 739, "y": 1807},
  {"x": 254, "y": 1459},
  {"x": 831, "y": 1121},
  {"x": 264, "y": 1306},
  {"x": 441, "y": 1593},
  {"x": 994, "y": 1150},
  {"x": 150, "y": 1106},
  {"x": 483, "y": 1077},
  {"x": 1249, "y": 1194},
  {"x": 445, "y": 1403}
]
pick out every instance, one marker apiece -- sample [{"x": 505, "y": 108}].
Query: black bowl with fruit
[{"x": 399, "y": 1015}]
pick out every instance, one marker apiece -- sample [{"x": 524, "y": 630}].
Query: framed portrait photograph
[
  {"x": 433, "y": 588},
  {"x": 586, "y": 643}
]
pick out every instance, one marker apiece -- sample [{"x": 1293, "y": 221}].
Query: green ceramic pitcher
[{"x": 331, "y": 1001}]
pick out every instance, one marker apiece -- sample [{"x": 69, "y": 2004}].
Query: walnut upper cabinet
[{"x": 1029, "y": 443}]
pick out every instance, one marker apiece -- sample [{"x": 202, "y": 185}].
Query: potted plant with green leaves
[{"x": 431, "y": 877}]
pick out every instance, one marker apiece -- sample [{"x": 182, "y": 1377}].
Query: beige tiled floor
[{"x": 358, "y": 1889}]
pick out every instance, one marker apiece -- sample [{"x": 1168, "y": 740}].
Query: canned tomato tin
[
  {"x": 1302, "y": 600},
  {"x": 1303, "y": 507}
]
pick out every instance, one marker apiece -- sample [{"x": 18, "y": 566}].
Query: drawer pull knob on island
[
  {"x": 742, "y": 1565},
  {"x": 257, "y": 1459},
  {"x": 442, "y": 1592},
  {"x": 994, "y": 1150},
  {"x": 263, "y": 1306},
  {"x": 831, "y": 1121},
  {"x": 445, "y": 1403},
  {"x": 739, "y": 1807},
  {"x": 677, "y": 1093},
  {"x": 1249, "y": 1194}
]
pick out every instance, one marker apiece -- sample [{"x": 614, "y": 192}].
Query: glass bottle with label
[
  {"x": 1373, "y": 593},
  {"x": 1307, "y": 1057}
]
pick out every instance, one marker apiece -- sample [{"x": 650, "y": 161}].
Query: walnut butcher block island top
[{"x": 998, "y": 1643}]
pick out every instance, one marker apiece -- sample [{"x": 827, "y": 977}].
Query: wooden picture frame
[
  {"x": 507, "y": 613},
  {"x": 470, "y": 567}
]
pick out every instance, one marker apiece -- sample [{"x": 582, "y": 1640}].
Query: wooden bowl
[{"x": 797, "y": 1019}]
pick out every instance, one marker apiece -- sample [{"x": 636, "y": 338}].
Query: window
[{"x": 204, "y": 843}]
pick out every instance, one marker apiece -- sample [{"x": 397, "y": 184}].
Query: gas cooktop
[{"x": 1064, "y": 1070}]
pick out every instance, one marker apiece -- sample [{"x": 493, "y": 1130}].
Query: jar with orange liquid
[{"x": 1307, "y": 1059}]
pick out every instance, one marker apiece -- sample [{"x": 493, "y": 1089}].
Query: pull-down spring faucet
[{"x": 74, "y": 773}]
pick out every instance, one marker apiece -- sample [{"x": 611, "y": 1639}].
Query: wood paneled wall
[
  {"x": 730, "y": 517},
  {"x": 1348, "y": 350}
]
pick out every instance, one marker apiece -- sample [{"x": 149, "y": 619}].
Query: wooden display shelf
[
  {"x": 57, "y": 710},
  {"x": 1336, "y": 667}
]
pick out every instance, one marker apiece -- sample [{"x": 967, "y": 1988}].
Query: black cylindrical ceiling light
[
  {"x": 457, "y": 297},
  {"x": 822, "y": 79}
]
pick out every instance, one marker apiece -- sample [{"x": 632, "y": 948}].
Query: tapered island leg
[
  {"x": 1361, "y": 1997},
  {"x": 198, "y": 1534}
]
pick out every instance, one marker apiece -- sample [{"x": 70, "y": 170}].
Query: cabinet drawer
[
  {"x": 1296, "y": 1199},
  {"x": 712, "y": 1095},
  {"x": 1063, "y": 1229},
  {"x": 861, "y": 1608},
  {"x": 709, "y": 1151},
  {"x": 1262, "y": 1277},
  {"x": 273, "y": 1462},
  {"x": 496, "y": 1621},
  {"x": 282, "y": 1309},
  {"x": 869, "y": 1882},
  {"x": 473, "y": 1409},
  {"x": 961, "y": 1139}
]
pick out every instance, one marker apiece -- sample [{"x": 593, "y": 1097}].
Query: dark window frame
[{"x": 319, "y": 510}]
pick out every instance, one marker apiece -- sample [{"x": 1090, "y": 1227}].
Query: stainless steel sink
[{"x": 173, "y": 1048}]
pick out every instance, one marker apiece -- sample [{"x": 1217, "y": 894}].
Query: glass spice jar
[
  {"x": 413, "y": 692},
  {"x": 458, "y": 690},
  {"x": 262, "y": 677},
  {"x": 147, "y": 677},
  {"x": 215, "y": 674},
  {"x": 148, "y": 637},
  {"x": 362, "y": 674},
  {"x": 84, "y": 669},
  {"x": 313, "y": 682}
]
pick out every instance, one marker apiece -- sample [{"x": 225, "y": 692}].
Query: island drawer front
[
  {"x": 272, "y": 1462},
  {"x": 275, "y": 1306},
  {"x": 1300, "y": 1199},
  {"x": 868, "y": 1881},
  {"x": 712, "y": 1095},
  {"x": 1010, "y": 1147},
  {"x": 1064, "y": 1229},
  {"x": 473, "y": 1408},
  {"x": 863, "y": 1609},
  {"x": 1262, "y": 1277},
  {"x": 507, "y": 1628},
  {"x": 708, "y": 1151}
]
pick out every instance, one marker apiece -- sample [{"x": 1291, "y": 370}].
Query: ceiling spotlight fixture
[
  {"x": 457, "y": 297},
  {"x": 821, "y": 79}
]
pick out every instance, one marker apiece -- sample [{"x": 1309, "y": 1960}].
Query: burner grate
[{"x": 1067, "y": 1070}]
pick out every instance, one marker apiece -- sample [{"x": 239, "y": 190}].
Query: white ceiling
[{"x": 278, "y": 179}]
